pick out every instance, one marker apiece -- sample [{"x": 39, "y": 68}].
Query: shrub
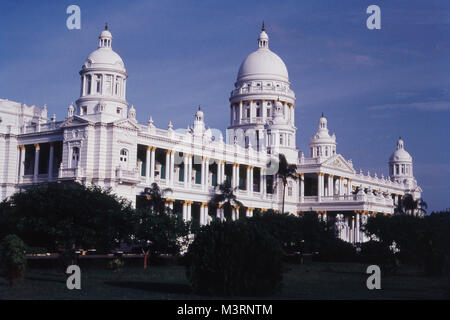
[
  {"x": 234, "y": 259},
  {"x": 14, "y": 257},
  {"x": 376, "y": 252},
  {"x": 285, "y": 228},
  {"x": 336, "y": 250}
]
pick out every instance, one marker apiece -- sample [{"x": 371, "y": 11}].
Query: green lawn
[{"x": 309, "y": 281}]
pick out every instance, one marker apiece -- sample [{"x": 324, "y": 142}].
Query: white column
[
  {"x": 341, "y": 186},
  {"x": 147, "y": 164},
  {"x": 204, "y": 214},
  {"x": 353, "y": 230},
  {"x": 249, "y": 212},
  {"x": 302, "y": 187},
  {"x": 185, "y": 169},
  {"x": 83, "y": 89},
  {"x": 320, "y": 187},
  {"x": 21, "y": 163},
  {"x": 167, "y": 166},
  {"x": 240, "y": 112},
  {"x": 152, "y": 165},
  {"x": 189, "y": 211},
  {"x": 185, "y": 213},
  {"x": 247, "y": 180},
  {"x": 263, "y": 111},
  {"x": 220, "y": 213},
  {"x": 330, "y": 185},
  {"x": 358, "y": 231},
  {"x": 50, "y": 162},
  {"x": 251, "y": 180},
  {"x": 235, "y": 214},
  {"x": 204, "y": 178},
  {"x": 189, "y": 177},
  {"x": 36, "y": 162},
  {"x": 349, "y": 186},
  {"x": 233, "y": 177},
  {"x": 172, "y": 167}
]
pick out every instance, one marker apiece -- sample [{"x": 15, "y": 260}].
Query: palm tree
[
  {"x": 157, "y": 204},
  {"x": 155, "y": 197},
  {"x": 226, "y": 197},
  {"x": 286, "y": 171},
  {"x": 408, "y": 204}
]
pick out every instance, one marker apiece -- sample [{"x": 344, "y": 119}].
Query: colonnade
[{"x": 37, "y": 153}]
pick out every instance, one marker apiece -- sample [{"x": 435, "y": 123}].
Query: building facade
[{"x": 101, "y": 143}]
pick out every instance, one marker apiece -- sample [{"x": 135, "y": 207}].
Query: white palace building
[{"x": 100, "y": 142}]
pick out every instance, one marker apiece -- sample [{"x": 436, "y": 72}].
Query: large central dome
[{"x": 263, "y": 64}]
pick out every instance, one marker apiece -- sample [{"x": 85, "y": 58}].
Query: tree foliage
[
  {"x": 424, "y": 241},
  {"x": 159, "y": 233},
  {"x": 285, "y": 171},
  {"x": 59, "y": 215},
  {"x": 226, "y": 197},
  {"x": 13, "y": 257},
  {"x": 234, "y": 259}
]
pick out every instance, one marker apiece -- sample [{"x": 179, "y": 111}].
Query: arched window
[{"x": 75, "y": 157}]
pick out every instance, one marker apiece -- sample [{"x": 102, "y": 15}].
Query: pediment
[
  {"x": 126, "y": 124},
  {"x": 73, "y": 121},
  {"x": 338, "y": 162}
]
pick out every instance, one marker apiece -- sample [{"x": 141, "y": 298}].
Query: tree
[
  {"x": 155, "y": 198},
  {"x": 157, "y": 233},
  {"x": 58, "y": 216},
  {"x": 226, "y": 197},
  {"x": 411, "y": 206},
  {"x": 285, "y": 171}
]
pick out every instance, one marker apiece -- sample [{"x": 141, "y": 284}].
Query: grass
[{"x": 308, "y": 281}]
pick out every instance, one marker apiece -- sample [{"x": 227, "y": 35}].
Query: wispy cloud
[{"x": 423, "y": 106}]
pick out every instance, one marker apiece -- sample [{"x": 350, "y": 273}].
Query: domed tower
[
  {"x": 103, "y": 83},
  {"x": 262, "y": 81},
  {"x": 322, "y": 144},
  {"x": 401, "y": 165}
]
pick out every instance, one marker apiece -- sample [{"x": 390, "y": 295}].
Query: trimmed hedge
[{"x": 234, "y": 259}]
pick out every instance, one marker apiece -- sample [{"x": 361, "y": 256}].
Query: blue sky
[{"x": 373, "y": 85}]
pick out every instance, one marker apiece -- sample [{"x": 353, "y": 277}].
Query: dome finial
[
  {"x": 322, "y": 115},
  {"x": 106, "y": 25},
  {"x": 263, "y": 28}
]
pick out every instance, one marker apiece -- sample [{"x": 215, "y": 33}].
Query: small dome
[
  {"x": 263, "y": 35},
  {"x": 106, "y": 34},
  {"x": 400, "y": 155}
]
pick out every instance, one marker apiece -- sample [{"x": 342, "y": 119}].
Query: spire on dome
[
  {"x": 105, "y": 38},
  {"x": 400, "y": 144},
  {"x": 263, "y": 40}
]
